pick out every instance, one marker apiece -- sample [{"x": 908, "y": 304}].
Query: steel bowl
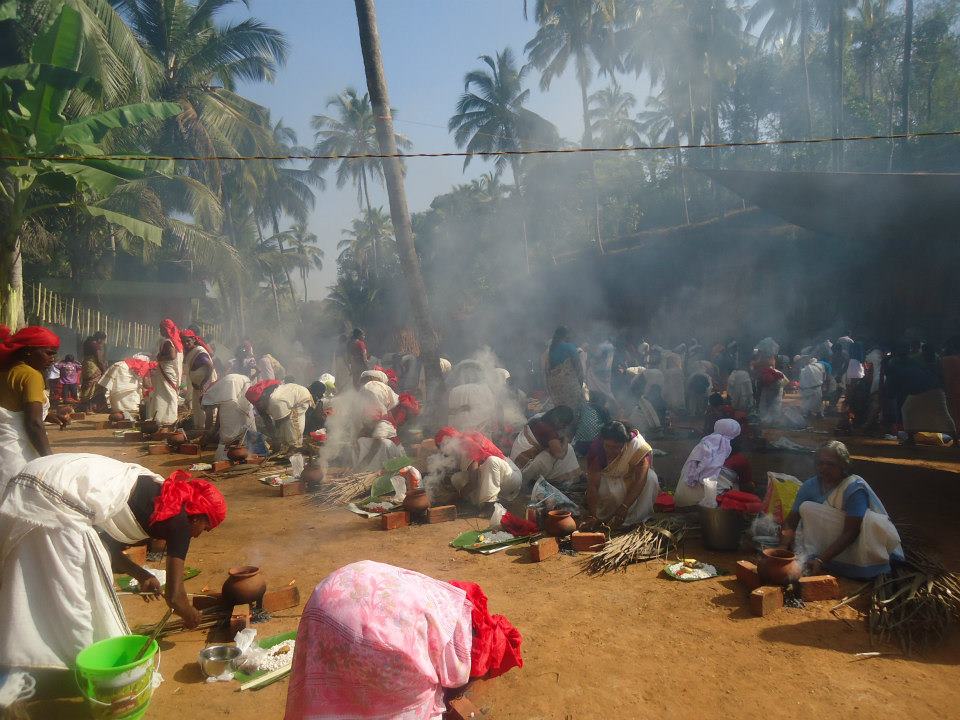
[{"x": 215, "y": 660}]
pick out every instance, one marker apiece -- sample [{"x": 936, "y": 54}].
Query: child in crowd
[{"x": 69, "y": 377}]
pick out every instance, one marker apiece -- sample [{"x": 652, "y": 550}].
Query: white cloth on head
[
  {"x": 705, "y": 461},
  {"x": 376, "y": 397},
  {"x": 378, "y": 375},
  {"x": 123, "y": 388},
  {"x": 163, "y": 405},
  {"x": 49, "y": 550},
  {"x": 16, "y": 448}
]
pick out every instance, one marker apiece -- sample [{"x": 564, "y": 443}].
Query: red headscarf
[
  {"x": 140, "y": 367},
  {"x": 173, "y": 332},
  {"x": 200, "y": 341},
  {"x": 32, "y": 336},
  {"x": 475, "y": 445},
  {"x": 182, "y": 491},
  {"x": 391, "y": 375},
  {"x": 255, "y": 391}
]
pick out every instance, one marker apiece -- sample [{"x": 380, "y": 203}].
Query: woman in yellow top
[{"x": 25, "y": 357}]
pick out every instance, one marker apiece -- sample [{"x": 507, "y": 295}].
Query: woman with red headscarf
[
  {"x": 25, "y": 357},
  {"x": 165, "y": 400},
  {"x": 64, "y": 522},
  {"x": 481, "y": 475}
]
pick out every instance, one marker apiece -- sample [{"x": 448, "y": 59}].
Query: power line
[{"x": 490, "y": 153}]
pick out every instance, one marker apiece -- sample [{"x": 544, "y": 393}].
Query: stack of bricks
[
  {"x": 432, "y": 516},
  {"x": 765, "y": 599}
]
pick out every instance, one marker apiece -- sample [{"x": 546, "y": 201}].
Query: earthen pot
[
  {"x": 178, "y": 438},
  {"x": 245, "y": 585},
  {"x": 778, "y": 567},
  {"x": 238, "y": 453},
  {"x": 312, "y": 476},
  {"x": 559, "y": 523},
  {"x": 116, "y": 417},
  {"x": 416, "y": 501},
  {"x": 149, "y": 427}
]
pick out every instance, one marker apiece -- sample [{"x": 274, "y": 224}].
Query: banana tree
[{"x": 50, "y": 160}]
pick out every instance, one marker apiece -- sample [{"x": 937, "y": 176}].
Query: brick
[
  {"x": 289, "y": 489},
  {"x": 222, "y": 465},
  {"x": 543, "y": 549},
  {"x": 238, "y": 622},
  {"x": 120, "y": 424},
  {"x": 588, "y": 541},
  {"x": 188, "y": 449},
  {"x": 254, "y": 459},
  {"x": 441, "y": 513},
  {"x": 461, "y": 709},
  {"x": 282, "y": 599},
  {"x": 819, "y": 587},
  {"x": 78, "y": 416},
  {"x": 135, "y": 436},
  {"x": 747, "y": 575},
  {"x": 202, "y": 602},
  {"x": 137, "y": 553},
  {"x": 394, "y": 520},
  {"x": 159, "y": 450},
  {"x": 765, "y": 600}
]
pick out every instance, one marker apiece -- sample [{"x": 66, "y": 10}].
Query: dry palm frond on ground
[
  {"x": 337, "y": 491},
  {"x": 651, "y": 540},
  {"x": 915, "y": 604}
]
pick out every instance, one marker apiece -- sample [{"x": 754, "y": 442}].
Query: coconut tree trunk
[
  {"x": 678, "y": 158},
  {"x": 588, "y": 142},
  {"x": 11, "y": 283},
  {"x": 393, "y": 177},
  {"x": 907, "y": 70},
  {"x": 373, "y": 238},
  {"x": 515, "y": 169},
  {"x": 804, "y": 32}
]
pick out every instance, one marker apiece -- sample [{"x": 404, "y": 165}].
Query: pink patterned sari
[{"x": 377, "y": 642}]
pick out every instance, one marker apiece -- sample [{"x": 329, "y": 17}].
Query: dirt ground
[{"x": 628, "y": 645}]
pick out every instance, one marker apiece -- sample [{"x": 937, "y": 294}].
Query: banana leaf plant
[{"x": 49, "y": 160}]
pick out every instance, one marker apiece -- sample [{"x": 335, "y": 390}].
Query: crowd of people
[{"x": 585, "y": 424}]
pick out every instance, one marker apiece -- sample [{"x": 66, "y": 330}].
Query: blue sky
[{"x": 428, "y": 46}]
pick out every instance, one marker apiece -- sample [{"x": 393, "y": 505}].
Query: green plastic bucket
[{"x": 116, "y": 686}]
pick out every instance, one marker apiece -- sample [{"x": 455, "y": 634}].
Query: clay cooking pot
[
  {"x": 245, "y": 585},
  {"x": 416, "y": 501},
  {"x": 238, "y": 453},
  {"x": 149, "y": 427},
  {"x": 559, "y": 523},
  {"x": 177, "y": 438},
  {"x": 778, "y": 567},
  {"x": 312, "y": 476},
  {"x": 116, "y": 417}
]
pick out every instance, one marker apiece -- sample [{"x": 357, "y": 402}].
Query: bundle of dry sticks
[{"x": 653, "y": 539}]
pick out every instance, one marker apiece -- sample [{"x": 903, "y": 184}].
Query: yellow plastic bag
[{"x": 782, "y": 490}]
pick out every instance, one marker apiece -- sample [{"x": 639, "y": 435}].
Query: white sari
[
  {"x": 199, "y": 383},
  {"x": 166, "y": 378},
  {"x": 16, "y": 448},
  {"x": 122, "y": 386},
  {"x": 56, "y": 583},
  {"x": 543, "y": 464},
  {"x": 234, "y": 410},
  {"x": 287, "y": 408},
  {"x": 613, "y": 484}
]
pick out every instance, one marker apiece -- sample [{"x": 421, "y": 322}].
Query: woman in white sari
[
  {"x": 163, "y": 406},
  {"x": 123, "y": 385},
  {"x": 838, "y": 521},
  {"x": 284, "y": 406},
  {"x": 740, "y": 390},
  {"x": 543, "y": 449},
  {"x": 58, "y": 517},
  {"x": 234, "y": 416},
  {"x": 198, "y": 369},
  {"x": 375, "y": 432},
  {"x": 621, "y": 481},
  {"x": 705, "y": 461}
]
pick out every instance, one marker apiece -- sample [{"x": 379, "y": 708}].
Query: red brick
[
  {"x": 188, "y": 449},
  {"x": 819, "y": 587},
  {"x": 135, "y": 436},
  {"x": 159, "y": 450},
  {"x": 78, "y": 416},
  {"x": 747, "y": 575},
  {"x": 221, "y": 465},
  {"x": 441, "y": 513},
  {"x": 202, "y": 602},
  {"x": 282, "y": 599},
  {"x": 461, "y": 709},
  {"x": 588, "y": 541},
  {"x": 239, "y": 622},
  {"x": 120, "y": 424},
  {"x": 765, "y": 600},
  {"x": 289, "y": 489},
  {"x": 137, "y": 553},
  {"x": 394, "y": 520},
  {"x": 543, "y": 549},
  {"x": 254, "y": 459}
]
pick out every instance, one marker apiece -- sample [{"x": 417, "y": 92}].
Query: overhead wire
[{"x": 487, "y": 153}]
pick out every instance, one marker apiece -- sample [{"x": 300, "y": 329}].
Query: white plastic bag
[
  {"x": 296, "y": 465},
  {"x": 546, "y": 497},
  {"x": 498, "y": 512},
  {"x": 251, "y": 654},
  {"x": 399, "y": 488}
]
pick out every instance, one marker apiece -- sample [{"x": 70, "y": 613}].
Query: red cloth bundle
[
  {"x": 496, "y": 642},
  {"x": 518, "y": 527},
  {"x": 740, "y": 501}
]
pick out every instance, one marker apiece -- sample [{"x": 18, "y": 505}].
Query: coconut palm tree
[
  {"x": 307, "y": 255},
  {"x": 788, "y": 21},
  {"x": 491, "y": 117},
  {"x": 351, "y": 131},
  {"x": 366, "y": 239},
  {"x": 611, "y": 118},
  {"x": 201, "y": 61}
]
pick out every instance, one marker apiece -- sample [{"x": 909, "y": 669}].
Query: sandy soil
[{"x": 629, "y": 645}]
